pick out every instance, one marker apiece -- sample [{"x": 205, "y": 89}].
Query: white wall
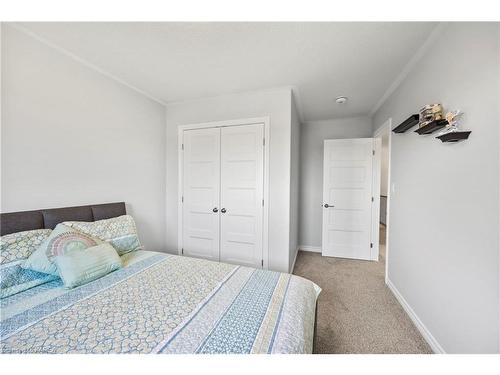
[
  {"x": 444, "y": 232},
  {"x": 72, "y": 136},
  {"x": 313, "y": 135},
  {"x": 273, "y": 103},
  {"x": 294, "y": 184}
]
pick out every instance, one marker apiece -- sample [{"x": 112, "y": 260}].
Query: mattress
[{"x": 161, "y": 303}]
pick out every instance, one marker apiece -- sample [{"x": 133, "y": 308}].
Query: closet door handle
[
  {"x": 326, "y": 205},
  {"x": 215, "y": 209},
  {"x": 223, "y": 210}
]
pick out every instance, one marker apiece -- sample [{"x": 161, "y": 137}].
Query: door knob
[
  {"x": 223, "y": 210},
  {"x": 326, "y": 205},
  {"x": 215, "y": 209}
]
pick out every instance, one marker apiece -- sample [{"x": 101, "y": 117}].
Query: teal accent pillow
[
  {"x": 81, "y": 267},
  {"x": 62, "y": 240},
  {"x": 120, "y": 232}
]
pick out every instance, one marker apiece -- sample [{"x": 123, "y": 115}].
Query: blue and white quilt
[{"x": 159, "y": 303}]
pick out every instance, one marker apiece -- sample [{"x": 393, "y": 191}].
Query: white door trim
[
  {"x": 218, "y": 124},
  {"x": 377, "y": 146},
  {"x": 387, "y": 127}
]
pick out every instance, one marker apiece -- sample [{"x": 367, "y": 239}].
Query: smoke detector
[{"x": 341, "y": 99}]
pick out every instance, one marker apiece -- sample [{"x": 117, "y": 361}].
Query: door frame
[
  {"x": 220, "y": 124},
  {"x": 375, "y": 206},
  {"x": 387, "y": 127},
  {"x": 376, "y": 165}
]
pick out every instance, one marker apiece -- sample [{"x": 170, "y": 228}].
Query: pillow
[
  {"x": 21, "y": 245},
  {"x": 118, "y": 231},
  {"x": 61, "y": 241},
  {"x": 81, "y": 267},
  {"x": 14, "y": 249}
]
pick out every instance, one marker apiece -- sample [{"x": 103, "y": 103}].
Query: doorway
[{"x": 384, "y": 134}]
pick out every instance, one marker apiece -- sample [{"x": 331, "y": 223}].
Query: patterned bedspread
[{"x": 161, "y": 303}]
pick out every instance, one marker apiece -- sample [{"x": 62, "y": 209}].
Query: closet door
[
  {"x": 242, "y": 193},
  {"x": 201, "y": 185}
]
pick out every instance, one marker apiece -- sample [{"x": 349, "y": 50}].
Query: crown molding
[
  {"x": 82, "y": 61},
  {"x": 294, "y": 89},
  {"x": 408, "y": 68}
]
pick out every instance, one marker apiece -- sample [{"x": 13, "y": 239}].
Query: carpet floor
[{"x": 357, "y": 313}]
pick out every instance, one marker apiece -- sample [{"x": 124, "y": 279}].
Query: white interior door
[
  {"x": 348, "y": 188},
  {"x": 242, "y": 194},
  {"x": 201, "y": 191}
]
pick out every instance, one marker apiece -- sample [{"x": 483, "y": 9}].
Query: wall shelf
[
  {"x": 454, "y": 136},
  {"x": 431, "y": 127},
  {"x": 410, "y": 122}
]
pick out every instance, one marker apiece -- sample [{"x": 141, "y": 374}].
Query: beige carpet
[{"x": 357, "y": 313}]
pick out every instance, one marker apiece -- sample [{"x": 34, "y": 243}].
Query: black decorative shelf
[
  {"x": 410, "y": 122},
  {"x": 454, "y": 136},
  {"x": 432, "y": 127}
]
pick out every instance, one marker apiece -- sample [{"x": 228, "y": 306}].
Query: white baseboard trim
[
  {"x": 294, "y": 260},
  {"x": 312, "y": 249},
  {"x": 431, "y": 340}
]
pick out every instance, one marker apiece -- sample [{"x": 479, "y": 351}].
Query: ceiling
[{"x": 182, "y": 61}]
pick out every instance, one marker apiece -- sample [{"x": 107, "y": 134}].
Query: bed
[{"x": 157, "y": 303}]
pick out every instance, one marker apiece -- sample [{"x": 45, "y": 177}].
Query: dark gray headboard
[{"x": 48, "y": 218}]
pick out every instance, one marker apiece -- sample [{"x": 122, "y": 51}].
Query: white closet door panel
[
  {"x": 201, "y": 174},
  {"x": 242, "y": 189}
]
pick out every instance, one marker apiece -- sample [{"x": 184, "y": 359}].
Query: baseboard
[
  {"x": 431, "y": 340},
  {"x": 312, "y": 249},
  {"x": 294, "y": 259}
]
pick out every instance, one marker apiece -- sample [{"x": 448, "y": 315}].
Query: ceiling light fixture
[{"x": 341, "y": 99}]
